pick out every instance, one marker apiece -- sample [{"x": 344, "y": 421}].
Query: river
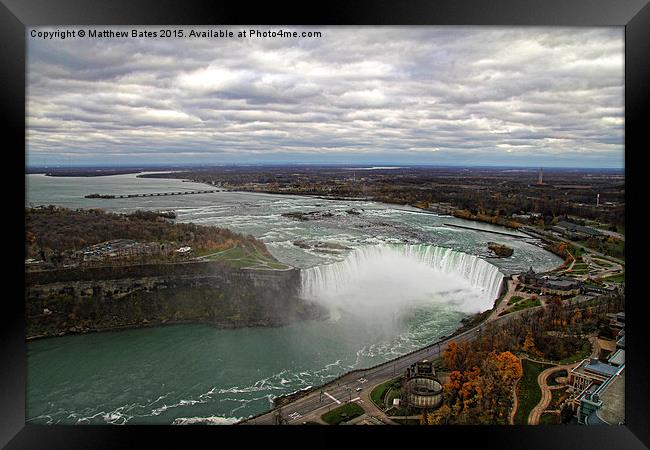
[{"x": 394, "y": 278}]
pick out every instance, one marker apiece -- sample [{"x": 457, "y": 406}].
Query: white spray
[{"x": 383, "y": 279}]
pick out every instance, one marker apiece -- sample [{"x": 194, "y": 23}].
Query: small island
[
  {"x": 99, "y": 196},
  {"x": 500, "y": 250}
]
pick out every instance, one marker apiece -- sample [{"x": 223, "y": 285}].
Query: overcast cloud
[{"x": 416, "y": 95}]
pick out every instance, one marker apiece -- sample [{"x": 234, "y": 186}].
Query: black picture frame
[{"x": 17, "y": 15}]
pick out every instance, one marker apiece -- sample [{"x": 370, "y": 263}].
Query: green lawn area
[
  {"x": 514, "y": 299},
  {"x": 575, "y": 273},
  {"x": 245, "y": 257},
  {"x": 577, "y": 251},
  {"x": 614, "y": 249},
  {"x": 521, "y": 304},
  {"x": 392, "y": 394},
  {"x": 602, "y": 262},
  {"x": 377, "y": 394},
  {"x": 529, "y": 393},
  {"x": 583, "y": 353},
  {"x": 342, "y": 413},
  {"x": 580, "y": 267},
  {"x": 618, "y": 278}
]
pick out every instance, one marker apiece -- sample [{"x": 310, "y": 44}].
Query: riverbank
[{"x": 114, "y": 298}]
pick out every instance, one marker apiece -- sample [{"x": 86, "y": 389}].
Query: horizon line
[{"x": 323, "y": 164}]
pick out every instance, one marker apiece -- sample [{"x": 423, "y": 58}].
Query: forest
[{"x": 53, "y": 234}]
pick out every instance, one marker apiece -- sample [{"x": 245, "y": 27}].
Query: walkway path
[
  {"x": 515, "y": 404},
  {"x": 373, "y": 410},
  {"x": 547, "y": 395},
  {"x": 503, "y": 304}
]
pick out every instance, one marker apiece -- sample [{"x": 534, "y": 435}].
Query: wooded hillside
[{"x": 58, "y": 230}]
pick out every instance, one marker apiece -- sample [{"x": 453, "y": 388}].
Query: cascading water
[{"x": 387, "y": 276}]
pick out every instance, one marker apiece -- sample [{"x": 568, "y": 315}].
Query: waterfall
[{"x": 414, "y": 269}]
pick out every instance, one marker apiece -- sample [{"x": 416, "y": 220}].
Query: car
[{"x": 358, "y": 389}]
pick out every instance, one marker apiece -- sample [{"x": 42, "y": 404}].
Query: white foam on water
[
  {"x": 382, "y": 279},
  {"x": 212, "y": 420}
]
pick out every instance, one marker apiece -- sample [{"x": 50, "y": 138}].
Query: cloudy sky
[{"x": 517, "y": 96}]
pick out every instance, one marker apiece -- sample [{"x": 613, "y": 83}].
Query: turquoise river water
[{"x": 403, "y": 279}]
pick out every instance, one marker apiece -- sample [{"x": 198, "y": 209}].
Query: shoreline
[
  {"x": 487, "y": 231},
  {"x": 161, "y": 324}
]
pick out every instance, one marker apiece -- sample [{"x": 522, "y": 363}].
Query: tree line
[{"x": 51, "y": 232}]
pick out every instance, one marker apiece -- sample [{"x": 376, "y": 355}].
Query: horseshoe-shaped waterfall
[{"x": 405, "y": 269}]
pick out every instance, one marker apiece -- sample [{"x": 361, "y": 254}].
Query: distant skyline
[{"x": 443, "y": 96}]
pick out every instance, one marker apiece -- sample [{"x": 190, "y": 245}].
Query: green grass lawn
[
  {"x": 391, "y": 395},
  {"x": 342, "y": 413},
  {"x": 529, "y": 393},
  {"x": 377, "y": 394},
  {"x": 581, "y": 354},
  {"x": 602, "y": 263},
  {"x": 618, "y": 278},
  {"x": 580, "y": 266},
  {"x": 522, "y": 304},
  {"x": 245, "y": 257},
  {"x": 614, "y": 249}
]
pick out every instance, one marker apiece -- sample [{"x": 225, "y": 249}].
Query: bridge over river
[{"x": 149, "y": 194}]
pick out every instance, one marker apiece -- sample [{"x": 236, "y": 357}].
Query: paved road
[{"x": 345, "y": 389}]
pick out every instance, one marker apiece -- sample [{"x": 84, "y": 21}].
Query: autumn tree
[
  {"x": 529, "y": 345},
  {"x": 459, "y": 356},
  {"x": 441, "y": 416}
]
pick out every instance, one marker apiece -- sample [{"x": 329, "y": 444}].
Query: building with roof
[
  {"x": 617, "y": 321},
  {"x": 575, "y": 231},
  {"x": 529, "y": 278},
  {"x": 550, "y": 285},
  {"x": 560, "y": 287},
  {"x": 618, "y": 358},
  {"x": 588, "y": 372},
  {"x": 605, "y": 403}
]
